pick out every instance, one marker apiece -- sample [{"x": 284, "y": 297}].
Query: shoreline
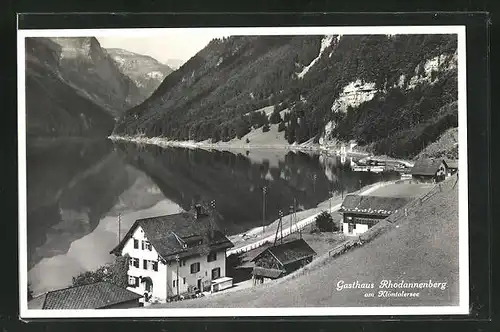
[
  {"x": 328, "y": 150},
  {"x": 228, "y": 146}
]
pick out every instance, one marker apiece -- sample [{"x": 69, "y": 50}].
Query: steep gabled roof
[
  {"x": 289, "y": 252},
  {"x": 452, "y": 163},
  {"x": 92, "y": 296},
  {"x": 167, "y": 234},
  {"x": 427, "y": 166},
  {"x": 373, "y": 205}
]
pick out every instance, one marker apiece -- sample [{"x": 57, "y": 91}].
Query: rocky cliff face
[
  {"x": 54, "y": 107},
  {"x": 88, "y": 68},
  {"x": 146, "y": 72},
  {"x": 380, "y": 91}
]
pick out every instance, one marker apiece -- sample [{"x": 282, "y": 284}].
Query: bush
[
  {"x": 324, "y": 222},
  {"x": 265, "y": 128},
  {"x": 281, "y": 127},
  {"x": 115, "y": 273}
]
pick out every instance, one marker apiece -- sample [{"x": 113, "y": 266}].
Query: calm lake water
[{"x": 76, "y": 190}]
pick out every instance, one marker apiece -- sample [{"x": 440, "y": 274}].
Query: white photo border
[{"x": 461, "y": 309}]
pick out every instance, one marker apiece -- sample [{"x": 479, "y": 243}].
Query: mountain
[
  {"x": 174, "y": 63},
  {"x": 54, "y": 107},
  {"x": 146, "y": 72},
  {"x": 383, "y": 92},
  {"x": 87, "y": 67}
]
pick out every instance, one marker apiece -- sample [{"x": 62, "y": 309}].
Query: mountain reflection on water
[{"x": 77, "y": 189}]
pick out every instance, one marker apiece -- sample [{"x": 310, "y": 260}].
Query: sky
[{"x": 162, "y": 47}]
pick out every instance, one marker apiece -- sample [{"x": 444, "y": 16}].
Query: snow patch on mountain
[
  {"x": 353, "y": 95},
  {"x": 155, "y": 75},
  {"x": 325, "y": 43},
  {"x": 119, "y": 60}
]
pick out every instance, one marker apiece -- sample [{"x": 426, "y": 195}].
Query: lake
[{"x": 79, "y": 190}]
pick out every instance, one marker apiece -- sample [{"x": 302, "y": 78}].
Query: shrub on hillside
[{"x": 324, "y": 222}]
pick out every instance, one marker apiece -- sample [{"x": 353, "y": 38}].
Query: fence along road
[{"x": 300, "y": 224}]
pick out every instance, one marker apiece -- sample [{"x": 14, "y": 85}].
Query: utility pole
[
  {"x": 177, "y": 259},
  {"x": 280, "y": 227},
  {"x": 264, "y": 192},
  {"x": 314, "y": 182},
  {"x": 330, "y": 193},
  {"x": 119, "y": 227},
  {"x": 212, "y": 206}
]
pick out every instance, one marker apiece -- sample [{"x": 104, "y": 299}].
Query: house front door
[{"x": 198, "y": 284}]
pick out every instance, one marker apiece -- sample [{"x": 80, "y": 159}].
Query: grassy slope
[
  {"x": 420, "y": 247},
  {"x": 445, "y": 146}
]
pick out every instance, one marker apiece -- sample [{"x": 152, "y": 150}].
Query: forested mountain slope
[{"x": 393, "y": 94}]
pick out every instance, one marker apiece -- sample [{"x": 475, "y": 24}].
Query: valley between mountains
[{"x": 390, "y": 95}]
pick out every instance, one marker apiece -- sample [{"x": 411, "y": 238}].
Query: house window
[
  {"x": 136, "y": 244},
  {"x": 195, "y": 267},
  {"x": 134, "y": 262},
  {"x": 145, "y": 264},
  {"x": 155, "y": 266},
  {"x": 173, "y": 283},
  {"x": 216, "y": 273},
  {"x": 182, "y": 262},
  {"x": 183, "y": 280},
  {"x": 146, "y": 245},
  {"x": 133, "y": 281},
  {"x": 212, "y": 257}
]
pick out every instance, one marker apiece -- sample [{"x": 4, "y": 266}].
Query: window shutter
[
  {"x": 155, "y": 266},
  {"x": 136, "y": 244},
  {"x": 142, "y": 244},
  {"x": 145, "y": 264},
  {"x": 136, "y": 282}
]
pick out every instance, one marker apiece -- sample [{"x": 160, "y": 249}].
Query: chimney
[{"x": 198, "y": 211}]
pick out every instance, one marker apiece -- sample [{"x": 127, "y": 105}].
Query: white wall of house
[
  {"x": 186, "y": 278},
  {"x": 345, "y": 228},
  {"x": 159, "y": 277},
  {"x": 441, "y": 170},
  {"x": 358, "y": 229}
]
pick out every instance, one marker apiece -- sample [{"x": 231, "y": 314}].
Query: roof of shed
[
  {"x": 289, "y": 252},
  {"x": 427, "y": 166},
  {"x": 92, "y": 296},
  {"x": 266, "y": 273},
  {"x": 374, "y": 205}
]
